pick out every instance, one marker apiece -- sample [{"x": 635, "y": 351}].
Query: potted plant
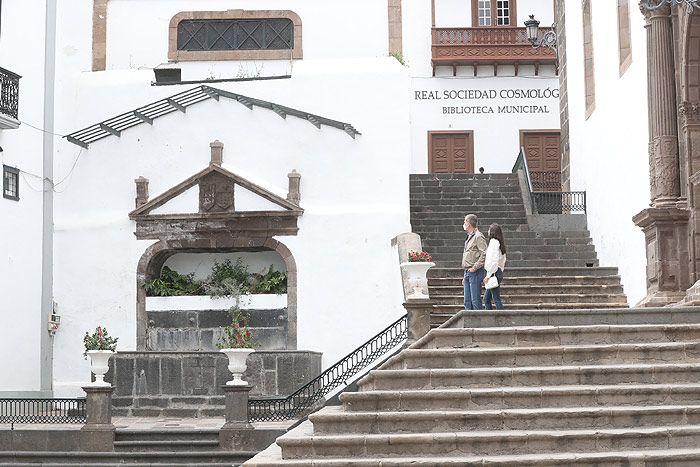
[
  {"x": 237, "y": 343},
  {"x": 99, "y": 347},
  {"x": 415, "y": 273}
]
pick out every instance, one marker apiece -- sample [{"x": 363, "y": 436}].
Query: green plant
[
  {"x": 270, "y": 282},
  {"x": 237, "y": 335},
  {"x": 99, "y": 340},
  {"x": 398, "y": 56},
  {"x": 172, "y": 283},
  {"x": 227, "y": 276}
]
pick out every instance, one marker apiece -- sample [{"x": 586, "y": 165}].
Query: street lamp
[{"x": 549, "y": 39}]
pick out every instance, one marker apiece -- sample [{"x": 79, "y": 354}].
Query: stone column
[
  {"x": 663, "y": 128},
  {"x": 237, "y": 432},
  {"x": 665, "y": 223},
  {"x": 418, "y": 319},
  {"x": 97, "y": 435}
]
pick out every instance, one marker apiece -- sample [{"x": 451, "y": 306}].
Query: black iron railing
[
  {"x": 549, "y": 202},
  {"x": 309, "y": 396},
  {"x": 42, "y": 411},
  {"x": 9, "y": 93},
  {"x": 546, "y": 181},
  {"x": 552, "y": 202}
]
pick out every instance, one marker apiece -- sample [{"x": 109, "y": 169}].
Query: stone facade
[{"x": 670, "y": 223}]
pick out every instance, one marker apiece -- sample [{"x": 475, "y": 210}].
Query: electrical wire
[
  {"x": 46, "y": 179},
  {"x": 42, "y": 130}
]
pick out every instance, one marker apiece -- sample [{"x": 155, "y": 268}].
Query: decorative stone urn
[
  {"x": 99, "y": 365},
  {"x": 415, "y": 273},
  {"x": 237, "y": 364}
]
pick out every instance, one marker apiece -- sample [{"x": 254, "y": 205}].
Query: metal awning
[{"x": 179, "y": 103}]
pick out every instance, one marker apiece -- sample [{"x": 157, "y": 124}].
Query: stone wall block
[
  {"x": 124, "y": 375},
  {"x": 171, "y": 375}
]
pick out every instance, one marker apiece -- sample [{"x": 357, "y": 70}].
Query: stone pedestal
[
  {"x": 666, "y": 234},
  {"x": 237, "y": 434},
  {"x": 418, "y": 319},
  {"x": 405, "y": 243},
  {"x": 97, "y": 435}
]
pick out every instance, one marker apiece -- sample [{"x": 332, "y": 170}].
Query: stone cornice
[{"x": 651, "y": 216}]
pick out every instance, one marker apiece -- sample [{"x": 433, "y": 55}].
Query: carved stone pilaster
[
  {"x": 688, "y": 114},
  {"x": 665, "y": 183}
]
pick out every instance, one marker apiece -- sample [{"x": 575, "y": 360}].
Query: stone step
[
  {"x": 157, "y": 435},
  {"x": 420, "y": 211},
  {"x": 464, "y": 176},
  {"x": 534, "y": 281},
  {"x": 522, "y": 397},
  {"x": 416, "y": 192},
  {"x": 480, "y": 197},
  {"x": 419, "y": 223},
  {"x": 206, "y": 411},
  {"x": 442, "y": 313},
  {"x": 490, "y": 442},
  {"x": 465, "y": 378},
  {"x": 333, "y": 421},
  {"x": 456, "y": 231},
  {"x": 535, "y": 336},
  {"x": 449, "y": 260},
  {"x": 576, "y": 317},
  {"x": 531, "y": 272},
  {"x": 63, "y": 458},
  {"x": 459, "y": 238},
  {"x": 665, "y": 352},
  {"x": 510, "y": 296},
  {"x": 688, "y": 457},
  {"x": 514, "y": 251},
  {"x": 166, "y": 446},
  {"x": 517, "y": 257},
  {"x": 509, "y": 289}
]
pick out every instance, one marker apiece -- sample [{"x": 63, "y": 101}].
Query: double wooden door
[
  {"x": 543, "y": 158},
  {"x": 450, "y": 152}
]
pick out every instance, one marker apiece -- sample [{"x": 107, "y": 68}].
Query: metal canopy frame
[{"x": 179, "y": 102}]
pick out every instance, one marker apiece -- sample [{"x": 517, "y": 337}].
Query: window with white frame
[
  {"x": 493, "y": 13},
  {"x": 10, "y": 182}
]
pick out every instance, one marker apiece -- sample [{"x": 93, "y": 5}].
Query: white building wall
[
  {"x": 22, "y": 51},
  {"x": 609, "y": 157},
  {"x": 348, "y": 277}
]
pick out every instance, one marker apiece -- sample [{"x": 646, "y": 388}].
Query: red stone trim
[{"x": 175, "y": 55}]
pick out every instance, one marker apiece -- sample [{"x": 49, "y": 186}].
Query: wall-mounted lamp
[{"x": 548, "y": 39}]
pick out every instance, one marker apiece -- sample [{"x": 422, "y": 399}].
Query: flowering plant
[
  {"x": 237, "y": 335},
  {"x": 419, "y": 256},
  {"x": 99, "y": 340}
]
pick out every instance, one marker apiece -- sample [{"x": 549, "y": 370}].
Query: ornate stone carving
[
  {"x": 689, "y": 113},
  {"x": 666, "y": 182},
  {"x": 215, "y": 194},
  {"x": 654, "y": 8}
]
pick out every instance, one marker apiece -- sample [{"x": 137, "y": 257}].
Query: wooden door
[
  {"x": 450, "y": 152},
  {"x": 543, "y": 158}
]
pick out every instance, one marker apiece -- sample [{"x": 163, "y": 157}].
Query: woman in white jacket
[{"x": 494, "y": 264}]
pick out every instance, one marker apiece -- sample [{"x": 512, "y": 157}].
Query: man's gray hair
[{"x": 472, "y": 219}]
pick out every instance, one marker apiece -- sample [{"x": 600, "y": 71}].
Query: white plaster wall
[
  {"x": 22, "y": 51},
  {"x": 456, "y": 13},
  {"x": 609, "y": 150},
  {"x": 347, "y": 274},
  {"x": 330, "y": 29},
  {"x": 496, "y": 135},
  {"x": 201, "y": 263}
]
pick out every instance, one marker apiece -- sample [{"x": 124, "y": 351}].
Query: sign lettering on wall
[{"x": 490, "y": 101}]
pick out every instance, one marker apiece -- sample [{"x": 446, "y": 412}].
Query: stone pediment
[{"x": 213, "y": 193}]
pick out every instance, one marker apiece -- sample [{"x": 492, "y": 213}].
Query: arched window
[{"x": 493, "y": 13}]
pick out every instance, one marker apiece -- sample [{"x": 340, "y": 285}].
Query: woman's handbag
[{"x": 492, "y": 283}]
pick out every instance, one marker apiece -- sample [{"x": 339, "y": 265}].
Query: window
[
  {"x": 10, "y": 183},
  {"x": 235, "y": 35},
  {"x": 624, "y": 35},
  {"x": 493, "y": 13},
  {"x": 588, "y": 70}
]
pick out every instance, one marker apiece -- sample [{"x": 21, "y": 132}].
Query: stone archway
[{"x": 154, "y": 257}]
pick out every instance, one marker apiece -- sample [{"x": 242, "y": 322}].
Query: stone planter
[
  {"x": 99, "y": 365},
  {"x": 415, "y": 274},
  {"x": 237, "y": 364}
]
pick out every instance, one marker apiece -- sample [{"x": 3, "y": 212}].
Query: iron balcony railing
[
  {"x": 308, "y": 397},
  {"x": 9, "y": 93},
  {"x": 546, "y": 181},
  {"x": 563, "y": 202},
  {"x": 549, "y": 202},
  {"x": 42, "y": 410}
]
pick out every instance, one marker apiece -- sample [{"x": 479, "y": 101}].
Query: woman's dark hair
[{"x": 496, "y": 232}]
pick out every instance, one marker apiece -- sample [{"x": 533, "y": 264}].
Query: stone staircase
[
  {"x": 544, "y": 269},
  {"x": 595, "y": 387}
]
